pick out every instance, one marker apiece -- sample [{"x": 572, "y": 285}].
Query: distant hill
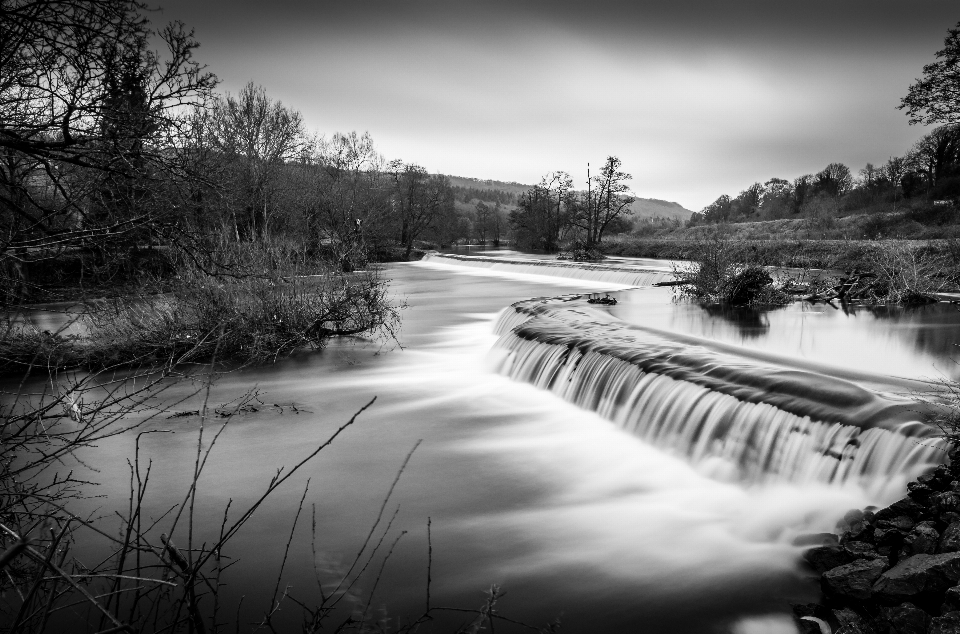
[
  {"x": 488, "y": 185},
  {"x": 653, "y": 207},
  {"x": 471, "y": 189}
]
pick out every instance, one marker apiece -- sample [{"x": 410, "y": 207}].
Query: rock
[
  {"x": 851, "y": 516},
  {"x": 816, "y": 539},
  {"x": 920, "y": 492},
  {"x": 922, "y": 540},
  {"x": 949, "y": 517},
  {"x": 859, "y": 531},
  {"x": 861, "y": 550},
  {"x": 918, "y": 576},
  {"x": 887, "y": 540},
  {"x": 854, "y": 580},
  {"x": 824, "y": 558},
  {"x": 906, "y": 618},
  {"x": 946, "y": 502},
  {"x": 851, "y": 622},
  {"x": 948, "y": 623},
  {"x": 950, "y": 540},
  {"x": 951, "y": 600},
  {"x": 901, "y": 523},
  {"x": 906, "y": 506}
]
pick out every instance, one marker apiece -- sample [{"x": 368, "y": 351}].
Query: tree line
[
  {"x": 928, "y": 172},
  {"x": 108, "y": 146}
]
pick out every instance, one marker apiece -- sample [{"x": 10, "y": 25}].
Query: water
[{"x": 570, "y": 510}]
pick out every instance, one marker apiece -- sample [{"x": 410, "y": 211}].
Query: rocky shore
[{"x": 894, "y": 570}]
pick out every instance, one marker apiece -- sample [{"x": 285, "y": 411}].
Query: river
[{"x": 578, "y": 512}]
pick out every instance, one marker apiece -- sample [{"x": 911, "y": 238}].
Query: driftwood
[
  {"x": 676, "y": 283},
  {"x": 606, "y": 301}
]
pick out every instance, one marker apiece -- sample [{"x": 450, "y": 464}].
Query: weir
[
  {"x": 612, "y": 273},
  {"x": 739, "y": 417}
]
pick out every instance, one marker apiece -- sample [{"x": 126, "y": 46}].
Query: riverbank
[{"x": 894, "y": 569}]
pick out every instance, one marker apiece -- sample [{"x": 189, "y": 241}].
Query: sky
[{"x": 697, "y": 99}]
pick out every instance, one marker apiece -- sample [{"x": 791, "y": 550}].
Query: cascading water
[
  {"x": 613, "y": 274},
  {"x": 735, "y": 417}
]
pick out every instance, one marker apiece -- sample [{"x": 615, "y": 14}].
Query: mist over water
[{"x": 573, "y": 516}]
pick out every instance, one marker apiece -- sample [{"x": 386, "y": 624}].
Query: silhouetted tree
[{"x": 935, "y": 98}]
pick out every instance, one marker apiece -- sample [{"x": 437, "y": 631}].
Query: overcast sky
[{"x": 698, "y": 99}]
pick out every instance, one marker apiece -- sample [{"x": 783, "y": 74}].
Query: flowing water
[{"x": 642, "y": 467}]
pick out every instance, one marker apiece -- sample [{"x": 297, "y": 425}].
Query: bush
[{"x": 271, "y": 303}]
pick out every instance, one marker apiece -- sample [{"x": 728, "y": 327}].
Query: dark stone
[
  {"x": 861, "y": 550},
  {"x": 853, "y": 581},
  {"x": 918, "y": 576},
  {"x": 901, "y": 523},
  {"x": 859, "y": 531},
  {"x": 951, "y": 600},
  {"x": 946, "y": 502},
  {"x": 948, "y": 623},
  {"x": 906, "y": 506},
  {"x": 851, "y": 516},
  {"x": 949, "y": 517},
  {"x": 816, "y": 539},
  {"x": 950, "y": 540},
  {"x": 906, "y": 618},
  {"x": 824, "y": 558},
  {"x": 920, "y": 492},
  {"x": 887, "y": 540},
  {"x": 852, "y": 623},
  {"x": 922, "y": 540}
]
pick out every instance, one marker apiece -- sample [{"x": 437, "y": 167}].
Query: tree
[
  {"x": 834, "y": 180},
  {"x": 935, "y": 98},
  {"x": 484, "y": 221},
  {"x": 258, "y": 135},
  {"x": 544, "y": 212},
  {"x": 606, "y": 201},
  {"x": 937, "y": 154},
  {"x": 419, "y": 201},
  {"x": 88, "y": 113}
]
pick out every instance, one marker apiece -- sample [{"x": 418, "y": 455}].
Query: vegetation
[{"x": 553, "y": 212}]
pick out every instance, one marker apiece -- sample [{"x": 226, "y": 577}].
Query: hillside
[
  {"x": 653, "y": 207},
  {"x": 472, "y": 188}
]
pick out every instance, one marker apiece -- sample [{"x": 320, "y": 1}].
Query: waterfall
[
  {"x": 612, "y": 273},
  {"x": 747, "y": 420}
]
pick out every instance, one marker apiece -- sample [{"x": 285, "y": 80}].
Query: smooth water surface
[{"x": 573, "y": 517}]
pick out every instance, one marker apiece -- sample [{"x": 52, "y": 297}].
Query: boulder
[
  {"x": 906, "y": 506},
  {"x": 854, "y": 580},
  {"x": 921, "y": 540},
  {"x": 851, "y": 622},
  {"x": 918, "y": 576},
  {"x": 951, "y": 600},
  {"x": 859, "y": 531},
  {"x": 900, "y": 523},
  {"x": 946, "y": 502},
  {"x": 888, "y": 540},
  {"x": 824, "y": 558},
  {"x": 906, "y": 618},
  {"x": 861, "y": 550},
  {"x": 948, "y": 623},
  {"x": 950, "y": 540}
]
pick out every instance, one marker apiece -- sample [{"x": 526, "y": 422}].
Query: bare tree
[
  {"x": 87, "y": 116},
  {"x": 258, "y": 136}
]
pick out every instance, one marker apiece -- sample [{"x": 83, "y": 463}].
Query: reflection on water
[
  {"x": 917, "y": 342},
  {"x": 751, "y": 322}
]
